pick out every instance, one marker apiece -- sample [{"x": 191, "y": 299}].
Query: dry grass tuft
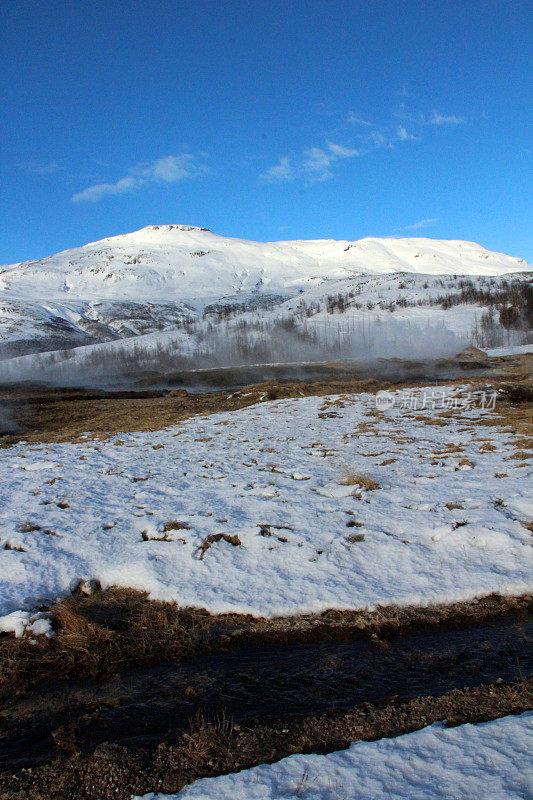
[
  {"x": 217, "y": 537},
  {"x": 353, "y": 478},
  {"x": 29, "y": 527},
  {"x": 487, "y": 447},
  {"x": 176, "y": 525},
  {"x": 100, "y": 634}
]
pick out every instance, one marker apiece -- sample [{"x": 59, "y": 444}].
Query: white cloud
[
  {"x": 435, "y": 118},
  {"x": 380, "y": 139},
  {"x": 424, "y": 223},
  {"x": 404, "y": 135},
  {"x": 315, "y": 164},
  {"x": 94, "y": 193},
  {"x": 444, "y": 119},
  {"x": 318, "y": 162},
  {"x": 355, "y": 120},
  {"x": 174, "y": 168},
  {"x": 339, "y": 151},
  {"x": 169, "y": 169},
  {"x": 282, "y": 171}
]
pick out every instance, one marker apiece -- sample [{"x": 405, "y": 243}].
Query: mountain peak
[{"x": 191, "y": 264}]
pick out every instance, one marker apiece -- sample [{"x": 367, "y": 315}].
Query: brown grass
[
  {"x": 352, "y": 477},
  {"x": 99, "y": 634},
  {"x": 176, "y": 525},
  {"x": 48, "y": 415},
  {"x": 28, "y": 527},
  {"x": 217, "y": 537}
]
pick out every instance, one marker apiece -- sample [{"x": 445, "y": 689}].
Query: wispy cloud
[
  {"x": 404, "y": 136},
  {"x": 43, "y": 169},
  {"x": 423, "y": 223},
  {"x": 34, "y": 167},
  {"x": 434, "y": 118},
  {"x": 356, "y": 120},
  {"x": 403, "y": 92},
  {"x": 315, "y": 164},
  {"x": 402, "y": 125},
  {"x": 169, "y": 169},
  {"x": 444, "y": 119},
  {"x": 280, "y": 172}
]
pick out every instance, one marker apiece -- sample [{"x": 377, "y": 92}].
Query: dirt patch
[
  {"x": 100, "y": 634},
  {"x": 214, "y": 747}
]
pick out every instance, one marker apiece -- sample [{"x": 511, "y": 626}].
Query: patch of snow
[
  {"x": 22, "y": 622},
  {"x": 233, "y": 473},
  {"x": 510, "y": 351},
  {"x": 491, "y": 760}
]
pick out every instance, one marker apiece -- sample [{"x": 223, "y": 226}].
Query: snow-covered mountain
[
  {"x": 157, "y": 277},
  {"x": 194, "y": 265}
]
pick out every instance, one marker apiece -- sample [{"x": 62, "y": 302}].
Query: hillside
[{"x": 160, "y": 277}]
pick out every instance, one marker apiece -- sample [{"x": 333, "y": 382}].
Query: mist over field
[{"x": 223, "y": 345}]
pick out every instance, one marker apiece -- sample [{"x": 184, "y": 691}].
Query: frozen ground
[
  {"x": 490, "y": 760},
  {"x": 510, "y": 351},
  {"x": 447, "y": 524}
]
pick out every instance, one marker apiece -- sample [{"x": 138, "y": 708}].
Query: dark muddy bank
[
  {"x": 154, "y": 703},
  {"x": 213, "y": 746}
]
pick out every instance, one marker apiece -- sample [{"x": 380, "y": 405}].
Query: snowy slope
[
  {"x": 161, "y": 276},
  {"x": 193, "y": 264},
  {"x": 489, "y": 760},
  {"x": 396, "y": 315}
]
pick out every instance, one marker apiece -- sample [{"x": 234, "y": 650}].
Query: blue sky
[{"x": 265, "y": 120}]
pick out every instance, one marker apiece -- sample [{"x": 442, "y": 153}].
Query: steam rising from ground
[
  {"x": 235, "y": 343},
  {"x": 7, "y": 421}
]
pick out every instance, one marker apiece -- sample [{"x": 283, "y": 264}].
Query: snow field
[{"x": 276, "y": 485}]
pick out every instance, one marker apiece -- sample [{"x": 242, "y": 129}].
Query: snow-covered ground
[
  {"x": 510, "y": 351},
  {"x": 447, "y": 523},
  {"x": 489, "y": 760}
]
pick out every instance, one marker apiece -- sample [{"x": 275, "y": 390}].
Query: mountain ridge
[
  {"x": 163, "y": 276},
  {"x": 199, "y": 266}
]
